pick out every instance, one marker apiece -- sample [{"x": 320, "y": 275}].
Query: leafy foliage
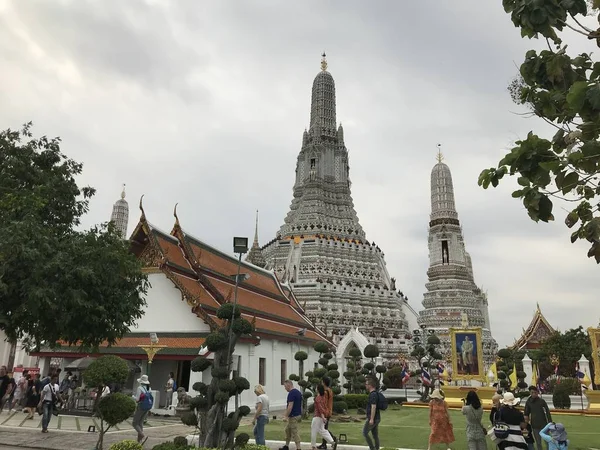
[
  {"x": 58, "y": 283},
  {"x": 127, "y": 444},
  {"x": 106, "y": 370},
  {"x": 568, "y": 346},
  {"x": 564, "y": 91},
  {"x": 116, "y": 408}
]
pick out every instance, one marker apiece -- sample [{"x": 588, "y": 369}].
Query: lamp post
[
  {"x": 240, "y": 246},
  {"x": 151, "y": 350}
]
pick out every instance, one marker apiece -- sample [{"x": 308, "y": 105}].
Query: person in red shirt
[{"x": 319, "y": 420}]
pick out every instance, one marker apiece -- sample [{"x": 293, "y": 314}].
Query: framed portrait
[
  {"x": 594, "y": 334},
  {"x": 467, "y": 354}
]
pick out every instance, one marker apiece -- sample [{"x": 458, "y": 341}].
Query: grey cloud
[{"x": 204, "y": 104}]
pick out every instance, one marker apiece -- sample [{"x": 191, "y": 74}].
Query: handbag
[{"x": 501, "y": 429}]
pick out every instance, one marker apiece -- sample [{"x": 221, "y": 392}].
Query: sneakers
[
  {"x": 322, "y": 447},
  {"x": 334, "y": 445},
  {"x": 285, "y": 447}
]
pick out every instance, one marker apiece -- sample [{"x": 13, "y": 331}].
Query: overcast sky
[{"x": 204, "y": 104}]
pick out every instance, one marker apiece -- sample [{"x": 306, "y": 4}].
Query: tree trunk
[{"x": 100, "y": 442}]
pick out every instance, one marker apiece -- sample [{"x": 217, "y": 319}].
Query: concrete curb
[{"x": 275, "y": 445}]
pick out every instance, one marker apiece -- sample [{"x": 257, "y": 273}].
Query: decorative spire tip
[
  {"x": 323, "y": 62},
  {"x": 440, "y": 157},
  {"x": 123, "y": 192}
]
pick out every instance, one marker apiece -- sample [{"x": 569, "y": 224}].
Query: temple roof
[
  {"x": 255, "y": 255},
  {"x": 536, "y": 333},
  {"x": 206, "y": 278}
]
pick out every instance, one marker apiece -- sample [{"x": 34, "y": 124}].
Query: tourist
[
  {"x": 48, "y": 400},
  {"x": 5, "y": 387},
  {"x": 326, "y": 382},
  {"x": 261, "y": 416},
  {"x": 20, "y": 390},
  {"x": 439, "y": 420},
  {"x": 555, "y": 435},
  {"x": 104, "y": 390},
  {"x": 495, "y": 407},
  {"x": 292, "y": 415},
  {"x": 476, "y": 432},
  {"x": 373, "y": 415},
  {"x": 528, "y": 435},
  {"x": 320, "y": 419},
  {"x": 32, "y": 399},
  {"x": 169, "y": 390},
  {"x": 141, "y": 397},
  {"x": 537, "y": 414},
  {"x": 513, "y": 418},
  {"x": 13, "y": 388}
]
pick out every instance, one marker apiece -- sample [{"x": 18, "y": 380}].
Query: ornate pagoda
[
  {"x": 322, "y": 251},
  {"x": 538, "y": 331},
  {"x": 452, "y": 298}
]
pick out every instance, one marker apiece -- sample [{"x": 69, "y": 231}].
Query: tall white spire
[
  {"x": 255, "y": 255},
  {"x": 120, "y": 215}
]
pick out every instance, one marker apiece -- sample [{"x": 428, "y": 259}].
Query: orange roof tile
[
  {"x": 196, "y": 289},
  {"x": 171, "y": 249}
]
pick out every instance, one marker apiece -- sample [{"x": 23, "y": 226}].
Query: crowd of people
[{"x": 520, "y": 430}]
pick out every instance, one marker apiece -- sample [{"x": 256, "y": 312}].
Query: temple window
[{"x": 445, "y": 254}]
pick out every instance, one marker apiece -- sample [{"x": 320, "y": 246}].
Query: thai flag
[
  {"x": 578, "y": 373},
  {"x": 425, "y": 377},
  {"x": 405, "y": 375}
]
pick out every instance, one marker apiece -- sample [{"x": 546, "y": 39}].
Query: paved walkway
[{"x": 73, "y": 423}]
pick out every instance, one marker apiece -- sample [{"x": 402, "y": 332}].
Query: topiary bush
[
  {"x": 127, "y": 444},
  {"x": 241, "y": 440},
  {"x": 200, "y": 364},
  {"x": 560, "y": 397},
  {"x": 354, "y": 401},
  {"x": 180, "y": 441},
  {"x": 340, "y": 407},
  {"x": 112, "y": 410}
]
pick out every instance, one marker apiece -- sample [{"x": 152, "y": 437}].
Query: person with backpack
[
  {"x": 145, "y": 402},
  {"x": 373, "y": 414},
  {"x": 48, "y": 401}
]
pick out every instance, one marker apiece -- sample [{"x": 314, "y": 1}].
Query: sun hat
[
  {"x": 558, "y": 432},
  {"x": 510, "y": 400},
  {"x": 437, "y": 394},
  {"x": 143, "y": 380}
]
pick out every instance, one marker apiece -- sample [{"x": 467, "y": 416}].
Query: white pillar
[
  {"x": 584, "y": 366},
  {"x": 527, "y": 368}
]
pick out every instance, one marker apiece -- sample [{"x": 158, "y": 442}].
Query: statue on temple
[{"x": 393, "y": 284}]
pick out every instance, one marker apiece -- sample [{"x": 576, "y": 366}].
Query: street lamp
[
  {"x": 240, "y": 246},
  {"x": 151, "y": 350}
]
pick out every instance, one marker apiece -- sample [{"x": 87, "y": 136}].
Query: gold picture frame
[
  {"x": 467, "y": 354},
  {"x": 594, "y": 334}
]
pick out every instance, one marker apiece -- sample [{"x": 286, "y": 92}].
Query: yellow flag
[
  {"x": 494, "y": 371},
  {"x": 513, "y": 377},
  {"x": 534, "y": 376},
  {"x": 586, "y": 380}
]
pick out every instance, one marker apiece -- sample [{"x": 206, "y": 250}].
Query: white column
[
  {"x": 527, "y": 368},
  {"x": 584, "y": 366}
]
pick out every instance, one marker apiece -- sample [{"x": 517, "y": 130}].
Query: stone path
[{"x": 74, "y": 423}]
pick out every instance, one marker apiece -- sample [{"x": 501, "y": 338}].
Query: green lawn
[{"x": 408, "y": 428}]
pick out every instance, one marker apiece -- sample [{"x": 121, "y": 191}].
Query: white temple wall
[{"x": 165, "y": 310}]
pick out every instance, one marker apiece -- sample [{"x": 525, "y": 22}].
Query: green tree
[
  {"x": 564, "y": 91},
  {"x": 208, "y": 409},
  {"x": 115, "y": 408},
  {"x": 568, "y": 346},
  {"x": 58, "y": 283}
]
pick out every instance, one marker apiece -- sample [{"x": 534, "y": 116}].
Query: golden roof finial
[
  {"x": 440, "y": 157},
  {"x": 323, "y": 62}
]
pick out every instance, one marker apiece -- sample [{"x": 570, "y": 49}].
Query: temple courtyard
[{"x": 401, "y": 427}]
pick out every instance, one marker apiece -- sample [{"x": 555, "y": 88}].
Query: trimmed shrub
[
  {"x": 560, "y": 397},
  {"x": 200, "y": 364},
  {"x": 127, "y": 444},
  {"x": 216, "y": 341},
  {"x": 354, "y": 401},
  {"x": 116, "y": 408},
  {"x": 180, "y": 441},
  {"x": 225, "y": 311},
  {"x": 340, "y": 407},
  {"x": 301, "y": 356},
  {"x": 242, "y": 439}
]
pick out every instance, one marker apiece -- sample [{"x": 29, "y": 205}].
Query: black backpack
[{"x": 382, "y": 403}]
